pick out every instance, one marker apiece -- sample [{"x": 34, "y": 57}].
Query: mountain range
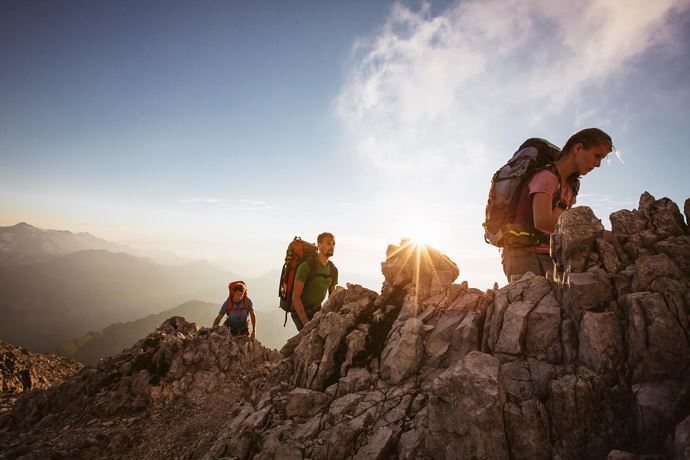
[
  {"x": 24, "y": 244},
  {"x": 56, "y": 286},
  {"x": 94, "y": 345}
]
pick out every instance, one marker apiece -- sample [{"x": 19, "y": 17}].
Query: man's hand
[{"x": 253, "y": 333}]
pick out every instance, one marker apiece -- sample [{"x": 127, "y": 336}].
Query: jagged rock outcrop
[
  {"x": 170, "y": 385},
  {"x": 589, "y": 362},
  {"x": 21, "y": 370}
]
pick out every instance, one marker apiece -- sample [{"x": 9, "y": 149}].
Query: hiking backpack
[
  {"x": 298, "y": 251},
  {"x": 231, "y": 288},
  {"x": 506, "y": 187}
]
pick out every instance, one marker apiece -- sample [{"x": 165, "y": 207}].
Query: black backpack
[{"x": 506, "y": 186}]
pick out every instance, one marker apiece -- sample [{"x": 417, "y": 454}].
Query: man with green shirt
[{"x": 314, "y": 278}]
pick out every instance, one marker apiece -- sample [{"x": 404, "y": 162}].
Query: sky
[{"x": 219, "y": 130}]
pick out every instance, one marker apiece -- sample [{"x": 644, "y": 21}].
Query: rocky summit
[
  {"x": 591, "y": 361},
  {"x": 22, "y": 371}
]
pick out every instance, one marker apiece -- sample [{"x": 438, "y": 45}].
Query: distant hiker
[
  {"x": 237, "y": 307},
  {"x": 530, "y": 193},
  {"x": 307, "y": 284}
]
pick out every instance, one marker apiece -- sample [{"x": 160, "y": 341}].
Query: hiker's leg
[
  {"x": 546, "y": 265},
  {"x": 311, "y": 310},
  {"x": 298, "y": 323},
  {"x": 517, "y": 261},
  {"x": 308, "y": 310}
]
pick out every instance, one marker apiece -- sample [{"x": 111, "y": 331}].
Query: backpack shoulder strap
[
  {"x": 334, "y": 269},
  {"x": 312, "y": 269}
]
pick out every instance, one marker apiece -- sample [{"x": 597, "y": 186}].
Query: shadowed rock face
[{"x": 588, "y": 363}]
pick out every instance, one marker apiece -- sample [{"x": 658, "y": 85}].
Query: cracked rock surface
[
  {"x": 591, "y": 362},
  {"x": 21, "y": 371}
]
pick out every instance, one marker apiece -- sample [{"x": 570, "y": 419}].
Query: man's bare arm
[{"x": 297, "y": 302}]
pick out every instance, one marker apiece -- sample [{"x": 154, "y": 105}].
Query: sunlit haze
[{"x": 220, "y": 130}]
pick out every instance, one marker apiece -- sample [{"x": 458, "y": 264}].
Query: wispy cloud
[
  {"x": 353, "y": 205},
  {"x": 199, "y": 201},
  {"x": 603, "y": 205},
  {"x": 432, "y": 92},
  {"x": 615, "y": 154},
  {"x": 238, "y": 204},
  {"x": 250, "y": 205}
]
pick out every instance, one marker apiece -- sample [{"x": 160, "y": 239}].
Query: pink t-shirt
[{"x": 543, "y": 181}]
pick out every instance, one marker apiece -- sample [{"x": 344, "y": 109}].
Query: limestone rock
[
  {"x": 653, "y": 403},
  {"x": 21, "y": 370},
  {"x": 528, "y": 430},
  {"x": 514, "y": 328},
  {"x": 305, "y": 403},
  {"x": 575, "y": 235},
  {"x": 658, "y": 345},
  {"x": 425, "y": 268},
  {"x": 542, "y": 340},
  {"x": 378, "y": 444},
  {"x": 601, "y": 343},
  {"x": 466, "y": 410},
  {"x": 682, "y": 431},
  {"x": 403, "y": 354},
  {"x": 590, "y": 290}
]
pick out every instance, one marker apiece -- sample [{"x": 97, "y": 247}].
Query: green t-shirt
[{"x": 315, "y": 291}]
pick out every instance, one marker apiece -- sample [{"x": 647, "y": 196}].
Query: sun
[{"x": 419, "y": 233}]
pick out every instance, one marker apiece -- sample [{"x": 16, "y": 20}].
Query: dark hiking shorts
[
  {"x": 309, "y": 310},
  {"x": 518, "y": 261}
]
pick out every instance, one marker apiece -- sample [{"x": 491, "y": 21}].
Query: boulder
[
  {"x": 514, "y": 328},
  {"x": 682, "y": 432},
  {"x": 302, "y": 402},
  {"x": 653, "y": 402},
  {"x": 574, "y": 237},
  {"x": 404, "y": 350},
  {"x": 466, "y": 411},
  {"x": 601, "y": 343}
]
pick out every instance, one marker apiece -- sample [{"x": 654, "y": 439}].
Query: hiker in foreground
[
  {"x": 530, "y": 193},
  {"x": 315, "y": 277},
  {"x": 237, "y": 307}
]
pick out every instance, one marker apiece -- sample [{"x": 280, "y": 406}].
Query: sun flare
[{"x": 419, "y": 234}]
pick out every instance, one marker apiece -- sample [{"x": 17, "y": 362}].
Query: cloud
[
  {"x": 350, "y": 205},
  {"x": 199, "y": 201},
  {"x": 237, "y": 205},
  {"x": 433, "y": 93},
  {"x": 603, "y": 205},
  {"x": 250, "y": 205}
]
